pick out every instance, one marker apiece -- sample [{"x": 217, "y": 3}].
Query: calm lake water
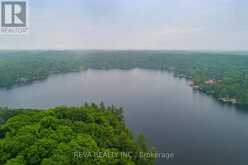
[{"x": 197, "y": 128}]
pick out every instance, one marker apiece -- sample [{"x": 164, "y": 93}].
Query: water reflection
[{"x": 194, "y": 126}]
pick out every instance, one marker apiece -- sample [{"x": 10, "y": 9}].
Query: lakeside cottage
[
  {"x": 196, "y": 87},
  {"x": 193, "y": 83},
  {"x": 210, "y": 82},
  {"x": 228, "y": 100}
]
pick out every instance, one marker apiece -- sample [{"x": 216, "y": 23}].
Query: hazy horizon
[
  {"x": 211, "y": 25},
  {"x": 168, "y": 50}
]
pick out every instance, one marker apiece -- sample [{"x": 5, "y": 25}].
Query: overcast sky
[{"x": 134, "y": 24}]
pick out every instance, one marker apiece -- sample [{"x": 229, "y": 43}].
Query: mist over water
[{"x": 197, "y": 128}]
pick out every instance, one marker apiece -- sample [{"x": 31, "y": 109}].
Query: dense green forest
[
  {"x": 69, "y": 135},
  {"x": 229, "y": 70}
]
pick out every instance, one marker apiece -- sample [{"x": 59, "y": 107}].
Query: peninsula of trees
[{"x": 69, "y": 135}]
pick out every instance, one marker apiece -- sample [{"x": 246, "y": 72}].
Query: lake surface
[{"x": 197, "y": 128}]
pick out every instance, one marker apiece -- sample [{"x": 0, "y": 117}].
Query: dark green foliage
[
  {"x": 22, "y": 67},
  {"x": 53, "y": 136},
  {"x": 230, "y": 68}
]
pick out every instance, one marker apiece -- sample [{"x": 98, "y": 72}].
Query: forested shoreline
[
  {"x": 227, "y": 70},
  {"x": 58, "y": 135}
]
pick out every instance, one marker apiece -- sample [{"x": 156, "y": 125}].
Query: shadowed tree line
[{"x": 229, "y": 69}]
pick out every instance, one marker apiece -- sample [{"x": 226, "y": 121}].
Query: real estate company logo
[{"x": 14, "y": 17}]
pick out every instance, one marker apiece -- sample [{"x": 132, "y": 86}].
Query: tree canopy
[{"x": 69, "y": 135}]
